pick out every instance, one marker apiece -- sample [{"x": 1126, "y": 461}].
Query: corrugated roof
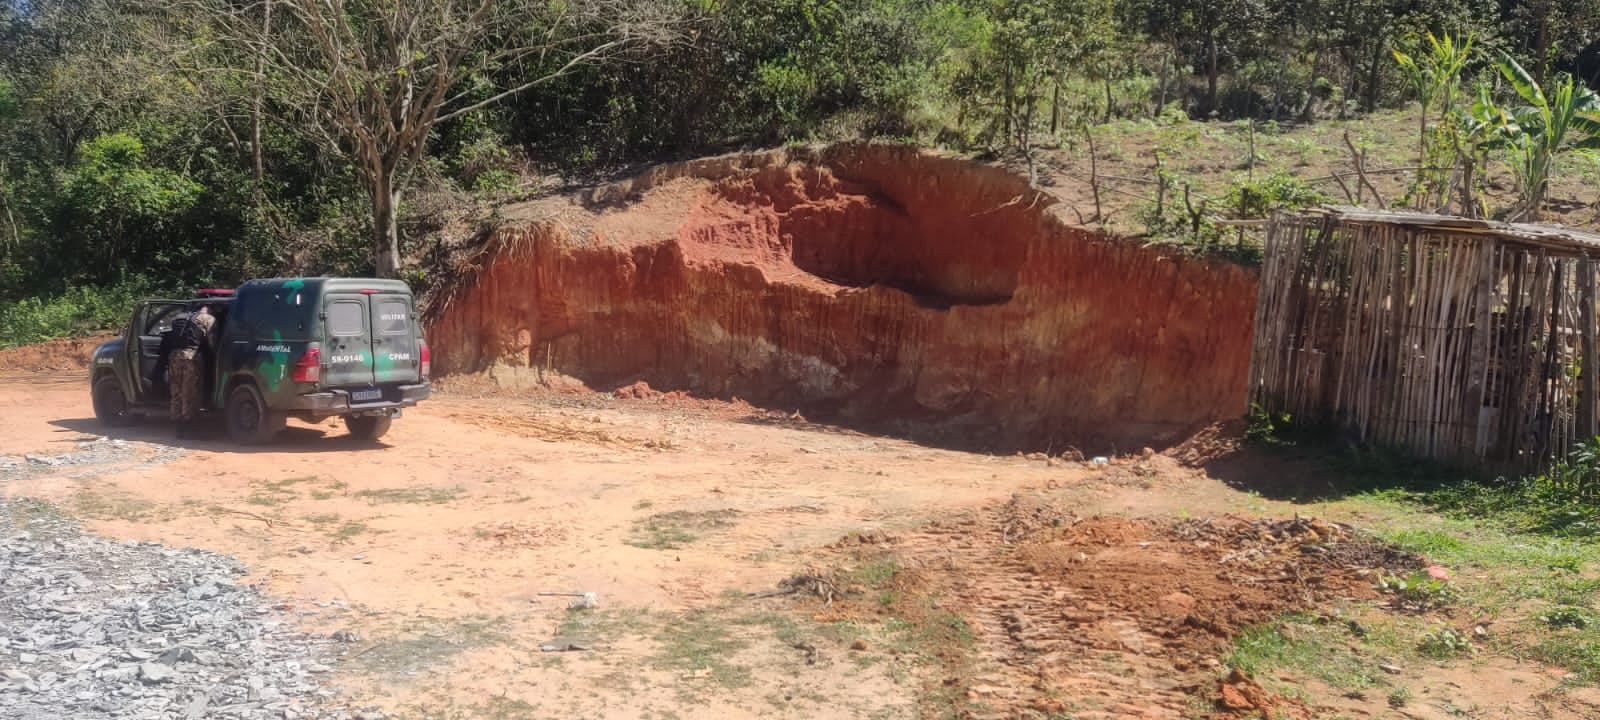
[{"x": 1556, "y": 237}]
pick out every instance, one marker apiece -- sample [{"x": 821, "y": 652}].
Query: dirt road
[
  {"x": 472, "y": 507},
  {"x": 435, "y": 547}
]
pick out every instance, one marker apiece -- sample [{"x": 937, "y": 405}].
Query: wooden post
[{"x": 1586, "y": 323}]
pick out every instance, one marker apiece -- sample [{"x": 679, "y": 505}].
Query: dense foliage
[{"x": 158, "y": 139}]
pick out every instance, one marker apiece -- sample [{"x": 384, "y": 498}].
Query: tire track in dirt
[{"x": 1108, "y": 617}]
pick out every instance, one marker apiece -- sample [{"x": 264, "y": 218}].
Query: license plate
[{"x": 367, "y": 395}]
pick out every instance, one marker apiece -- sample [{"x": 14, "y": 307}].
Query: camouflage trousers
[{"x": 186, "y": 383}]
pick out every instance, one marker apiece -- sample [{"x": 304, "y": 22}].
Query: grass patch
[
  {"x": 290, "y": 482},
  {"x": 894, "y": 614},
  {"x": 699, "y": 642},
  {"x": 873, "y": 573},
  {"x": 1342, "y": 652},
  {"x": 607, "y": 625},
  {"x": 497, "y": 707},
  {"x": 277, "y": 492},
  {"x": 783, "y": 625},
  {"x": 347, "y": 531},
  {"x": 269, "y": 498},
  {"x": 41, "y": 519},
  {"x": 329, "y": 490},
  {"x": 427, "y": 495},
  {"x": 1520, "y": 551},
  {"x": 671, "y": 530},
  {"x": 114, "y": 504},
  {"x": 1540, "y": 587},
  {"x": 435, "y": 643}
]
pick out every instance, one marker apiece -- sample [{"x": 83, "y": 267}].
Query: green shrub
[
  {"x": 1446, "y": 643},
  {"x": 1560, "y": 502},
  {"x": 75, "y": 312},
  {"x": 1419, "y": 590},
  {"x": 1258, "y": 199}
]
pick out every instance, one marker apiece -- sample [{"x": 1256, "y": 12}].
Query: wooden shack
[{"x": 1459, "y": 340}]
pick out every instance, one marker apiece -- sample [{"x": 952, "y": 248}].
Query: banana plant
[
  {"x": 1537, "y": 132},
  {"x": 1479, "y": 128}
]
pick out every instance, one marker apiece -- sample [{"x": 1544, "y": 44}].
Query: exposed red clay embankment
[{"x": 873, "y": 284}]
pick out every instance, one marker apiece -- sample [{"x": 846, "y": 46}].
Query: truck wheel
[
  {"x": 250, "y": 422},
  {"x": 368, "y": 428},
  {"x": 110, "y": 405}
]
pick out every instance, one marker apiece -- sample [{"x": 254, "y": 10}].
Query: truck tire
[
  {"x": 368, "y": 428},
  {"x": 250, "y": 421},
  {"x": 110, "y": 405}
]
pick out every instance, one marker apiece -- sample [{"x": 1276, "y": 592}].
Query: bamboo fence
[{"x": 1458, "y": 340}]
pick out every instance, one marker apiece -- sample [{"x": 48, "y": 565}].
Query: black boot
[{"x": 183, "y": 429}]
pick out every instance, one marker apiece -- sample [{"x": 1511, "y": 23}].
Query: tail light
[
  {"x": 308, "y": 369},
  {"x": 427, "y": 361}
]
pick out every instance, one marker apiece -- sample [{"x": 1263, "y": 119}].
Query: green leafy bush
[
  {"x": 1560, "y": 501},
  {"x": 1418, "y": 590},
  {"x": 1258, "y": 199},
  {"x": 75, "y": 312},
  {"x": 1565, "y": 617},
  {"x": 1445, "y": 643}
]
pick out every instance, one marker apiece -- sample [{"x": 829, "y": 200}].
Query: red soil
[
  {"x": 1109, "y": 617},
  {"x": 66, "y": 355},
  {"x": 866, "y": 284}
]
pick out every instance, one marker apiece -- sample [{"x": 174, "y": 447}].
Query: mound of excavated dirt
[
  {"x": 1125, "y": 618},
  {"x": 872, "y": 285},
  {"x": 66, "y": 355}
]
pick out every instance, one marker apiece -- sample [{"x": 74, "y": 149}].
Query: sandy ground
[
  {"x": 474, "y": 506},
  {"x": 434, "y": 547}
]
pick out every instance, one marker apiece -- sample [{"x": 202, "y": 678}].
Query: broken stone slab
[
  {"x": 176, "y": 655},
  {"x": 155, "y": 672}
]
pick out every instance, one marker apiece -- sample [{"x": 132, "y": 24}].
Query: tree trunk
[
  {"x": 1541, "y": 43},
  {"x": 1055, "y": 105},
  {"x": 1161, "y": 85},
  {"x": 1277, "y": 84},
  {"x": 257, "y": 165},
  {"x": 15, "y": 235},
  {"x": 1373, "y": 69},
  {"x": 385, "y": 228},
  {"x": 1109, "y": 100},
  {"x": 1009, "y": 105},
  {"x": 1211, "y": 74}
]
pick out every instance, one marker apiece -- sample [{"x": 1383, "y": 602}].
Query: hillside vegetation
[{"x": 168, "y": 143}]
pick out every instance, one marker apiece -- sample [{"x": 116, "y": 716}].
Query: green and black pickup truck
[{"x": 310, "y": 348}]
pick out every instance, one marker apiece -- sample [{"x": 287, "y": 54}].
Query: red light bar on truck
[{"x": 214, "y": 292}]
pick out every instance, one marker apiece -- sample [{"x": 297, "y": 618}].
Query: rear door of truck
[
  {"x": 394, "y": 340},
  {"x": 349, "y": 362}
]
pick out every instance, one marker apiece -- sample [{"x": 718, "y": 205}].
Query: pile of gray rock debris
[{"x": 95, "y": 628}]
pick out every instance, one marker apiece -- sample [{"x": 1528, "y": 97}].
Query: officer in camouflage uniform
[{"x": 192, "y": 344}]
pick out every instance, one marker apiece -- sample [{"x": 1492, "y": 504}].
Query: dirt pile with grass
[
  {"x": 65, "y": 355},
  {"x": 1110, "y": 617},
  {"x": 873, "y": 285}
]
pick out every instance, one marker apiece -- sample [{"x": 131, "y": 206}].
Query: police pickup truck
[{"x": 311, "y": 348}]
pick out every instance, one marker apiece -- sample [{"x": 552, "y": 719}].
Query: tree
[
  {"x": 111, "y": 209},
  {"x": 1535, "y": 133},
  {"x": 1435, "y": 73},
  {"x": 368, "y": 80}
]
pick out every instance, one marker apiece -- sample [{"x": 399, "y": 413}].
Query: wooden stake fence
[{"x": 1459, "y": 340}]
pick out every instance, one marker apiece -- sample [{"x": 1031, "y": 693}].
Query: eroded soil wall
[{"x": 870, "y": 284}]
